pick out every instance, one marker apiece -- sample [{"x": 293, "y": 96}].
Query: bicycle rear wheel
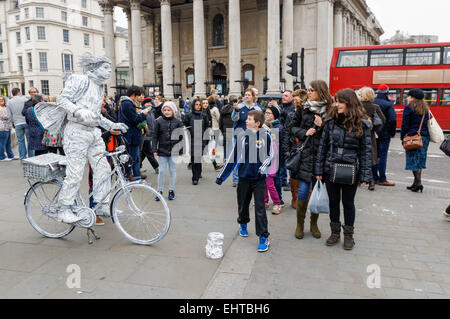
[
  {"x": 39, "y": 197},
  {"x": 140, "y": 218}
]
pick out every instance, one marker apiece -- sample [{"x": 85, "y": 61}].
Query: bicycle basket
[{"x": 44, "y": 167}]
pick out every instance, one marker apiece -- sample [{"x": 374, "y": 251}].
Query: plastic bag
[
  {"x": 212, "y": 149},
  {"x": 319, "y": 202}
]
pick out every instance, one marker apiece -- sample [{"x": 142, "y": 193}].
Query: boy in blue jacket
[{"x": 252, "y": 154}]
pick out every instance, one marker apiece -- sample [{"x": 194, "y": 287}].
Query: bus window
[
  {"x": 423, "y": 56},
  {"x": 395, "y": 95},
  {"x": 445, "y": 97},
  {"x": 431, "y": 96},
  {"x": 447, "y": 55},
  {"x": 357, "y": 58},
  {"x": 392, "y": 57}
]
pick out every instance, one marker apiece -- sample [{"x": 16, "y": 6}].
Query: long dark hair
[{"x": 354, "y": 111}]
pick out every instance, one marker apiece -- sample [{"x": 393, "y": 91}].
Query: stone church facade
[{"x": 188, "y": 47}]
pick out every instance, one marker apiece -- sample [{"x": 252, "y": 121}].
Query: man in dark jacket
[
  {"x": 384, "y": 137},
  {"x": 129, "y": 116},
  {"x": 226, "y": 124},
  {"x": 287, "y": 108}
]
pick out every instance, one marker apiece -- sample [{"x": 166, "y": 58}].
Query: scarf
[{"x": 318, "y": 108}]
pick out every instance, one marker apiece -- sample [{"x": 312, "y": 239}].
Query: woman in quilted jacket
[{"x": 346, "y": 140}]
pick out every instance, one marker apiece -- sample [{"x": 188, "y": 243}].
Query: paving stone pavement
[{"x": 403, "y": 233}]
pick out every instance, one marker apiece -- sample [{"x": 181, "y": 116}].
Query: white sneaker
[
  {"x": 6, "y": 159},
  {"x": 103, "y": 210},
  {"x": 15, "y": 158},
  {"x": 67, "y": 216}
]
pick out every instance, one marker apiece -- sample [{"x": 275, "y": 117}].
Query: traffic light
[{"x": 293, "y": 64}]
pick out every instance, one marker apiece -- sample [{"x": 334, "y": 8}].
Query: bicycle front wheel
[
  {"x": 38, "y": 198},
  {"x": 137, "y": 215}
]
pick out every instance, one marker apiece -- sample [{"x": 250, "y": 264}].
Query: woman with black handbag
[
  {"x": 415, "y": 129},
  {"x": 306, "y": 127},
  {"x": 344, "y": 160}
]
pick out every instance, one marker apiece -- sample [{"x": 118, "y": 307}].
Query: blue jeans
[
  {"x": 21, "y": 131},
  {"x": 163, "y": 162},
  {"x": 303, "y": 190},
  {"x": 5, "y": 145},
  {"x": 135, "y": 152},
  {"x": 379, "y": 170}
]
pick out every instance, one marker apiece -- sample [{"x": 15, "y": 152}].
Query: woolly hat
[
  {"x": 417, "y": 94},
  {"x": 172, "y": 106},
  {"x": 276, "y": 111},
  {"x": 147, "y": 100},
  {"x": 383, "y": 88}
]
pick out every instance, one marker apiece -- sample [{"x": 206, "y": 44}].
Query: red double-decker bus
[{"x": 402, "y": 67}]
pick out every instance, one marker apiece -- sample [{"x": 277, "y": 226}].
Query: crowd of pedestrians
[{"x": 342, "y": 141}]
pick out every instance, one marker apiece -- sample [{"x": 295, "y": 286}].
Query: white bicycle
[{"x": 134, "y": 211}]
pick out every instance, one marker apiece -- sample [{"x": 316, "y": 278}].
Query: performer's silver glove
[
  {"x": 119, "y": 127},
  {"x": 85, "y": 115}
]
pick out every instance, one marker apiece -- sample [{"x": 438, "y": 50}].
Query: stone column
[
  {"x": 130, "y": 46},
  {"x": 138, "y": 64},
  {"x": 234, "y": 46},
  {"x": 288, "y": 40},
  {"x": 345, "y": 28},
  {"x": 324, "y": 39},
  {"x": 166, "y": 30},
  {"x": 110, "y": 47},
  {"x": 273, "y": 46},
  {"x": 199, "y": 48},
  {"x": 338, "y": 26},
  {"x": 149, "y": 19}
]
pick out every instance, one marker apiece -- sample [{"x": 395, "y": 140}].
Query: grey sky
[
  {"x": 410, "y": 16},
  {"x": 414, "y": 17}
]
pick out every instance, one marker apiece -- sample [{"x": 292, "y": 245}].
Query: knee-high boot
[
  {"x": 294, "y": 191},
  {"x": 302, "y": 205},
  {"x": 313, "y": 226}
]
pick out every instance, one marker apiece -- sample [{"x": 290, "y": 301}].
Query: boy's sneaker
[
  {"x": 171, "y": 195},
  {"x": 263, "y": 244},
  {"x": 157, "y": 198},
  {"x": 243, "y": 231}
]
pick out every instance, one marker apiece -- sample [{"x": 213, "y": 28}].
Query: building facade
[
  {"x": 402, "y": 38},
  {"x": 41, "y": 40},
  {"x": 188, "y": 46}
]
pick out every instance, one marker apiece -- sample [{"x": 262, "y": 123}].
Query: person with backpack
[
  {"x": 367, "y": 96},
  {"x": 385, "y": 135}
]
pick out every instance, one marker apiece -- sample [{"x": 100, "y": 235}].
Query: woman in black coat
[
  {"x": 192, "y": 120},
  {"x": 306, "y": 128},
  {"x": 346, "y": 139}
]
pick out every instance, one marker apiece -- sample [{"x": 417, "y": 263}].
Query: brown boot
[
  {"x": 313, "y": 226},
  {"x": 302, "y": 205},
  {"x": 335, "y": 234},
  {"x": 349, "y": 243},
  {"x": 294, "y": 191}
]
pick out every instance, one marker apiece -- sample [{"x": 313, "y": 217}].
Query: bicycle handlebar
[{"x": 119, "y": 150}]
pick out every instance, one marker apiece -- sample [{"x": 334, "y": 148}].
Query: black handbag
[
  {"x": 293, "y": 162},
  {"x": 342, "y": 173},
  {"x": 445, "y": 146}
]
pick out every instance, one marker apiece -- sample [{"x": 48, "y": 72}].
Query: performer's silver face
[{"x": 104, "y": 71}]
